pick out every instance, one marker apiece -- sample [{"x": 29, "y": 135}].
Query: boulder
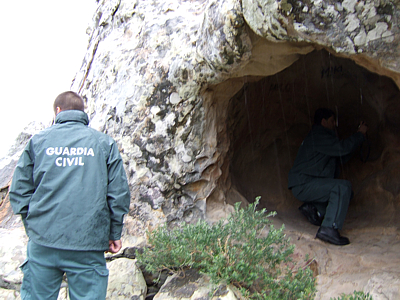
[
  {"x": 191, "y": 285},
  {"x": 126, "y": 281}
]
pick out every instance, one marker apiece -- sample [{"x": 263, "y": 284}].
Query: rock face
[
  {"x": 126, "y": 280},
  {"x": 7, "y": 165},
  {"x": 207, "y": 97},
  {"x": 193, "y": 286},
  {"x": 209, "y": 101}
]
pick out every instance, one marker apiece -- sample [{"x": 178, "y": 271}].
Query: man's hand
[
  {"x": 362, "y": 128},
  {"x": 114, "y": 246}
]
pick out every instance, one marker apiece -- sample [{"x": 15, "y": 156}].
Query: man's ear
[
  {"x": 58, "y": 110},
  {"x": 323, "y": 122}
]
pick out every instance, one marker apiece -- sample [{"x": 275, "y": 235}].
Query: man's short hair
[
  {"x": 322, "y": 113},
  {"x": 69, "y": 101}
]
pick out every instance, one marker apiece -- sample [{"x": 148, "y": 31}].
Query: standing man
[
  {"x": 312, "y": 178},
  {"x": 71, "y": 190}
]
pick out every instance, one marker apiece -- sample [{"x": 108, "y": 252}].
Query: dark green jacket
[
  {"x": 319, "y": 153},
  {"x": 70, "y": 186}
]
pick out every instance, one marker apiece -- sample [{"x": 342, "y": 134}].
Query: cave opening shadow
[{"x": 270, "y": 116}]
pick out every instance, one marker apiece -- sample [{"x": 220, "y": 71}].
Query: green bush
[
  {"x": 238, "y": 251},
  {"x": 355, "y": 296}
]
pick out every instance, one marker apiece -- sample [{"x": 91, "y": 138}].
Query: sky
[{"x": 43, "y": 44}]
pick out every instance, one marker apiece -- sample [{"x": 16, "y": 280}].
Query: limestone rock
[
  {"x": 378, "y": 288},
  {"x": 191, "y": 285},
  {"x": 7, "y": 163},
  {"x": 350, "y": 27},
  {"x": 9, "y": 294},
  {"x": 126, "y": 280},
  {"x": 12, "y": 255}
]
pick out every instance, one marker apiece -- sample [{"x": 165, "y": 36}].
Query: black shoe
[
  {"x": 311, "y": 214},
  {"x": 332, "y": 235}
]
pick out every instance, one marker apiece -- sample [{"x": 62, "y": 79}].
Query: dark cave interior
[{"x": 270, "y": 116}]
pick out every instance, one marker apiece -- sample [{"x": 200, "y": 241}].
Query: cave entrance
[{"x": 268, "y": 118}]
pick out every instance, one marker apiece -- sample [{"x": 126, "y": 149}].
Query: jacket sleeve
[
  {"x": 330, "y": 145},
  {"x": 118, "y": 195},
  {"x": 22, "y": 186}
]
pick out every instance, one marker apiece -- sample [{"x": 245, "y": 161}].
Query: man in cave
[{"x": 313, "y": 177}]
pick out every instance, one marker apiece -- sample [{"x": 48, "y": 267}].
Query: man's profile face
[{"x": 329, "y": 123}]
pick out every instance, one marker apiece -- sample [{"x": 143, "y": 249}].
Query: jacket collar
[
  {"x": 72, "y": 116},
  {"x": 322, "y": 128}
]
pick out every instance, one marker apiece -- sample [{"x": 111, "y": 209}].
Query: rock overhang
[
  {"x": 268, "y": 117},
  {"x": 168, "y": 114}
]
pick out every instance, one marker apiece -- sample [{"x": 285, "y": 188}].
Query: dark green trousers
[
  {"x": 44, "y": 268},
  {"x": 330, "y": 196}
]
